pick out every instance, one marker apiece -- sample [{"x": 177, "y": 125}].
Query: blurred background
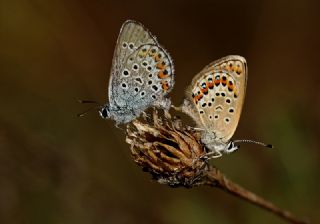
[{"x": 58, "y": 168}]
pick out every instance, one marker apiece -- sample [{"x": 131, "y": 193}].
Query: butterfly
[
  {"x": 214, "y": 100},
  {"x": 142, "y": 75}
]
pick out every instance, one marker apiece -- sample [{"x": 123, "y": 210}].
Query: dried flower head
[{"x": 167, "y": 149}]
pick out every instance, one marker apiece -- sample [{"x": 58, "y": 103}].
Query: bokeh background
[{"x": 58, "y": 168}]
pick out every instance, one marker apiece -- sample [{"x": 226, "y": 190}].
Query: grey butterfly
[{"x": 142, "y": 75}]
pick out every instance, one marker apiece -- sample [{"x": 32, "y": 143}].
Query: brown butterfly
[{"x": 214, "y": 99}]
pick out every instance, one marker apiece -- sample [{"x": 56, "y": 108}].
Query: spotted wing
[
  {"x": 216, "y": 95},
  {"x": 142, "y": 71}
]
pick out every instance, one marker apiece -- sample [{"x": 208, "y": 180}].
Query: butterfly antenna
[
  {"x": 254, "y": 142},
  {"x": 97, "y": 106}
]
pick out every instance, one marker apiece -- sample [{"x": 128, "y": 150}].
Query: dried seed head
[{"x": 171, "y": 152}]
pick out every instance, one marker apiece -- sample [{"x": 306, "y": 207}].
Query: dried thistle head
[{"x": 167, "y": 149}]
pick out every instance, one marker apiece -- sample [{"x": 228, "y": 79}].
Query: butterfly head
[
  {"x": 104, "y": 112},
  {"x": 231, "y": 147}
]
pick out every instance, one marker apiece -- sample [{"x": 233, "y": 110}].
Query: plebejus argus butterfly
[
  {"x": 142, "y": 74},
  {"x": 215, "y": 100}
]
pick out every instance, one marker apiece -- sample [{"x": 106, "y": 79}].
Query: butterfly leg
[
  {"x": 176, "y": 108},
  {"x": 211, "y": 155},
  {"x": 195, "y": 128}
]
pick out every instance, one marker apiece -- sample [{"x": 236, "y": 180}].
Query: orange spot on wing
[
  {"x": 239, "y": 70},
  {"x": 230, "y": 86},
  {"x": 161, "y": 75},
  {"x": 224, "y": 82},
  {"x": 210, "y": 85},
  {"x": 235, "y": 94},
  {"x": 160, "y": 65},
  {"x": 198, "y": 97},
  {"x": 204, "y": 90},
  {"x": 156, "y": 58},
  {"x": 217, "y": 82},
  {"x": 152, "y": 52},
  {"x": 165, "y": 85}
]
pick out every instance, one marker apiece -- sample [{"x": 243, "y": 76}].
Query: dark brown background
[{"x": 57, "y": 168}]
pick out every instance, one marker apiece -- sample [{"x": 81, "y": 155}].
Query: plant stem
[{"x": 214, "y": 178}]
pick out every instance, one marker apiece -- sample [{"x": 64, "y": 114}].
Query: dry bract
[{"x": 171, "y": 152}]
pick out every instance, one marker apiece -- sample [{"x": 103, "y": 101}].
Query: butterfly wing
[
  {"x": 216, "y": 95},
  {"x": 142, "y": 71}
]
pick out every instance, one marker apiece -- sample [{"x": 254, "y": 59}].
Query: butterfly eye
[
  {"x": 230, "y": 145},
  {"x": 104, "y": 113}
]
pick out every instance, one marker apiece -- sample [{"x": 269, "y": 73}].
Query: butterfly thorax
[{"x": 213, "y": 144}]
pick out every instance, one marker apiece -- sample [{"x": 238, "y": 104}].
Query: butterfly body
[
  {"x": 215, "y": 99},
  {"x": 142, "y": 74}
]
